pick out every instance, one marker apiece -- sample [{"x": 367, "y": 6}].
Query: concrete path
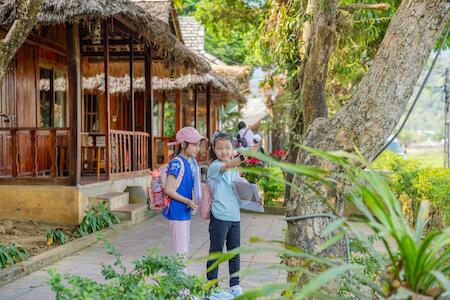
[{"x": 154, "y": 232}]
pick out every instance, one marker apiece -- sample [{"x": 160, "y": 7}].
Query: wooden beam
[
  {"x": 161, "y": 104},
  {"x": 74, "y": 76},
  {"x": 149, "y": 108},
  {"x": 107, "y": 104},
  {"x": 214, "y": 120},
  {"x": 195, "y": 107},
  {"x": 133, "y": 109},
  {"x": 87, "y": 42},
  {"x": 208, "y": 111},
  {"x": 178, "y": 110}
]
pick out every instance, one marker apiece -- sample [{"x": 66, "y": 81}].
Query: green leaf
[{"x": 323, "y": 279}]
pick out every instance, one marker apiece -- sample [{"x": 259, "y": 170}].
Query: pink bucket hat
[{"x": 189, "y": 135}]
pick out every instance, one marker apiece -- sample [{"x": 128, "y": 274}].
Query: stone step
[
  {"x": 131, "y": 212},
  {"x": 113, "y": 200}
]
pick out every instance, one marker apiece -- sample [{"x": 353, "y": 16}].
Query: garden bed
[{"x": 31, "y": 235}]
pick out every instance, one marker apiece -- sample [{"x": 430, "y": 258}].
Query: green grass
[{"x": 431, "y": 158}]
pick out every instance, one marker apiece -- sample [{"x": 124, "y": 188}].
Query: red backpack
[{"x": 158, "y": 198}]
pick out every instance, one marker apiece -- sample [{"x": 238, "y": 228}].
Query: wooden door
[{"x": 8, "y": 117}]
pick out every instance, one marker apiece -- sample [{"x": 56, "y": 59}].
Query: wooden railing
[
  {"x": 122, "y": 153},
  {"x": 34, "y": 152},
  {"x": 163, "y": 150}
]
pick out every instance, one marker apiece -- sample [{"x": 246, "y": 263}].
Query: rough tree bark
[
  {"x": 371, "y": 114},
  {"x": 318, "y": 40},
  {"x": 26, "y": 17}
]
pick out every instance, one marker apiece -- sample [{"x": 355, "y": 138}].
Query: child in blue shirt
[
  {"x": 178, "y": 211},
  {"x": 225, "y": 213}
]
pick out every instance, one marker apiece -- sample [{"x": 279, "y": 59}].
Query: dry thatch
[
  {"x": 150, "y": 28},
  {"x": 160, "y": 9},
  {"x": 122, "y": 84},
  {"x": 238, "y": 75}
]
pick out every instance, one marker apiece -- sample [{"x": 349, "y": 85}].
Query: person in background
[
  {"x": 244, "y": 135},
  {"x": 257, "y": 140}
]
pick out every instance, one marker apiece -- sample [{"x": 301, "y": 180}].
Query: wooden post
[
  {"x": 149, "y": 102},
  {"x": 195, "y": 107},
  {"x": 161, "y": 104},
  {"x": 107, "y": 104},
  {"x": 208, "y": 111},
  {"x": 134, "y": 153},
  {"x": 74, "y": 77},
  {"x": 178, "y": 110},
  {"x": 214, "y": 119}
]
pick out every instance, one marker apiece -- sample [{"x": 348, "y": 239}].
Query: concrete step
[
  {"x": 131, "y": 212},
  {"x": 113, "y": 200}
]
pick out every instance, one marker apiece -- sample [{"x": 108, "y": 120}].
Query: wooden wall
[{"x": 26, "y": 85}]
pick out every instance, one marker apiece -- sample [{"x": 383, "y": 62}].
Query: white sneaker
[
  {"x": 221, "y": 295},
  {"x": 236, "y": 290}
]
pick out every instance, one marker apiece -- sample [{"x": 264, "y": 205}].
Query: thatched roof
[
  {"x": 122, "y": 84},
  {"x": 160, "y": 9},
  {"x": 238, "y": 75},
  {"x": 150, "y": 28}
]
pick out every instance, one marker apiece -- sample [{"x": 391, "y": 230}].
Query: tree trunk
[
  {"x": 371, "y": 114},
  {"x": 318, "y": 40},
  {"x": 26, "y": 17}
]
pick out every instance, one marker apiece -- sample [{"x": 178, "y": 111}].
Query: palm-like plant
[{"x": 419, "y": 263}]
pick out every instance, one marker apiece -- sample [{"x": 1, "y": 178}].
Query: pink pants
[{"x": 180, "y": 236}]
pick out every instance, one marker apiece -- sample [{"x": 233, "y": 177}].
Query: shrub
[
  {"x": 11, "y": 254},
  {"x": 55, "y": 236},
  {"x": 154, "y": 276},
  {"x": 96, "y": 218},
  {"x": 413, "y": 184},
  {"x": 420, "y": 265},
  {"x": 272, "y": 184}
]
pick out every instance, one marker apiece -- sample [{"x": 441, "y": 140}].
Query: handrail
[{"x": 35, "y": 128}]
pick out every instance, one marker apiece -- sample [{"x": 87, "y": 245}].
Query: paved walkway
[{"x": 154, "y": 232}]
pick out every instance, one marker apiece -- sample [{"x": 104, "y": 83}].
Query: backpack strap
[
  {"x": 245, "y": 133},
  {"x": 181, "y": 174}
]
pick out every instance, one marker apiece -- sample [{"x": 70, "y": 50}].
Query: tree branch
[
  {"x": 26, "y": 18},
  {"x": 359, "y": 6}
]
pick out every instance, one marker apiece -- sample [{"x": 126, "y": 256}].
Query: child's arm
[
  {"x": 237, "y": 161},
  {"x": 171, "y": 191},
  {"x": 234, "y": 163}
]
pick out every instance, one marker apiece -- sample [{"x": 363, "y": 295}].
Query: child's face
[
  {"x": 223, "y": 150},
  {"x": 193, "y": 149}
]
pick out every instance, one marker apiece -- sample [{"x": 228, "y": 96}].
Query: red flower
[
  {"x": 253, "y": 162},
  {"x": 278, "y": 154}
]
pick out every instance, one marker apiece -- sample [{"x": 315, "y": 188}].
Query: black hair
[
  {"x": 178, "y": 150},
  {"x": 219, "y": 135},
  {"x": 241, "y": 125}
]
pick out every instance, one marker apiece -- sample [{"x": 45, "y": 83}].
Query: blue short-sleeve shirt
[
  {"x": 225, "y": 203},
  {"x": 176, "y": 210}
]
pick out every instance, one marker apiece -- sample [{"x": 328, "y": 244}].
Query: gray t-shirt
[
  {"x": 247, "y": 134},
  {"x": 225, "y": 203}
]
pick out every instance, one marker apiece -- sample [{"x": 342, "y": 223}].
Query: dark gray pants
[{"x": 219, "y": 233}]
